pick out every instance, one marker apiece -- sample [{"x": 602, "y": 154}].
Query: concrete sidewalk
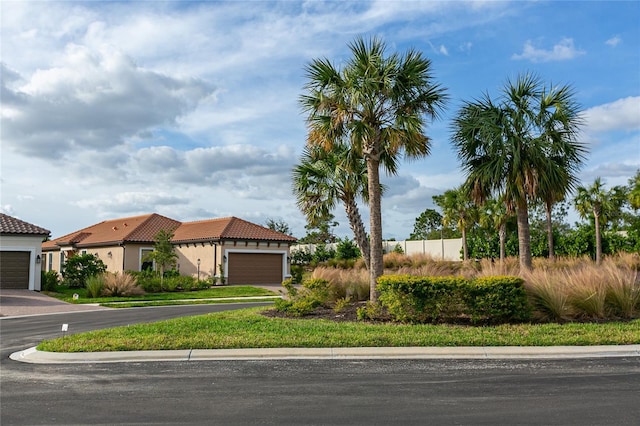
[{"x": 34, "y": 356}]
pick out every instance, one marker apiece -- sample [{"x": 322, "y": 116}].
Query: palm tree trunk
[
  {"x": 598, "y": 239},
  {"x": 549, "y": 232},
  {"x": 359, "y": 232},
  {"x": 502, "y": 233},
  {"x": 524, "y": 238},
  {"x": 465, "y": 250},
  {"x": 375, "y": 224}
]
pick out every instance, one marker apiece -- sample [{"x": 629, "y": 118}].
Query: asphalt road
[{"x": 602, "y": 391}]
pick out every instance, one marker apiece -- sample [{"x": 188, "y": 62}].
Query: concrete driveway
[{"x": 26, "y": 302}]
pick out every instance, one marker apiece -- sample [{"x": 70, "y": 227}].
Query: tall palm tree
[
  {"x": 511, "y": 147},
  {"x": 458, "y": 208},
  {"x": 378, "y": 103},
  {"x": 322, "y": 178}
]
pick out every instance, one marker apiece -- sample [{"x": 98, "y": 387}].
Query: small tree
[
  {"x": 163, "y": 253},
  {"x": 79, "y": 267},
  {"x": 347, "y": 249},
  {"x": 278, "y": 225},
  {"x": 427, "y": 226}
]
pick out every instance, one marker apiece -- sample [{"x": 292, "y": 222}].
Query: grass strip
[
  {"x": 66, "y": 294},
  {"x": 246, "y": 299},
  {"x": 247, "y": 328}
]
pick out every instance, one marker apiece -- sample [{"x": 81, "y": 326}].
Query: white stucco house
[{"x": 20, "y": 253}]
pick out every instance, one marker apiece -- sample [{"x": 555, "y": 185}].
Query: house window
[
  {"x": 51, "y": 261},
  {"x": 83, "y": 252},
  {"x": 61, "y": 261},
  {"x": 146, "y": 265}
]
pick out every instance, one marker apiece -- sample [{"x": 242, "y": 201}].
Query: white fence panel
[{"x": 446, "y": 249}]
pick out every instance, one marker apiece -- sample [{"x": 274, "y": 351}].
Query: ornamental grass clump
[
  {"x": 116, "y": 284},
  {"x": 352, "y": 284},
  {"x": 623, "y": 290},
  {"x": 548, "y": 296},
  {"x": 587, "y": 290},
  {"x": 95, "y": 285}
]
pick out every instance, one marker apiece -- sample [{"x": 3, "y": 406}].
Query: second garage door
[
  {"x": 255, "y": 268},
  {"x": 14, "y": 270}
]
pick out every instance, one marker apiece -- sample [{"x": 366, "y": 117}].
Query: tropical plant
[
  {"x": 458, "y": 208},
  {"x": 494, "y": 214},
  {"x": 597, "y": 202},
  {"x": 325, "y": 177},
  {"x": 513, "y": 146},
  {"x": 379, "y": 103},
  {"x": 163, "y": 253}
]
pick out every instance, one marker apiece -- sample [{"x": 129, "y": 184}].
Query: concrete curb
[{"x": 32, "y": 355}]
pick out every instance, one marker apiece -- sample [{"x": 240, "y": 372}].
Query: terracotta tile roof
[
  {"x": 142, "y": 229},
  {"x": 129, "y": 229},
  {"x": 228, "y": 228},
  {"x": 11, "y": 225}
]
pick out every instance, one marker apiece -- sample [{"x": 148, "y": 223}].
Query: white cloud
[
  {"x": 93, "y": 100},
  {"x": 131, "y": 201},
  {"x": 8, "y": 209},
  {"x": 613, "y": 41},
  {"x": 622, "y": 114},
  {"x": 562, "y": 51}
]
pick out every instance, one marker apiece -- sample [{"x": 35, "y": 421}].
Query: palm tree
[
  {"x": 495, "y": 214},
  {"x": 513, "y": 147},
  {"x": 322, "y": 178},
  {"x": 605, "y": 206},
  {"x": 594, "y": 201},
  {"x": 379, "y": 104},
  {"x": 458, "y": 208}
]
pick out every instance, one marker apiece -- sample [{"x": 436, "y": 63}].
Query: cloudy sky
[{"x": 190, "y": 109}]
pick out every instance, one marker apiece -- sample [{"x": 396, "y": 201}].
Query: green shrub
[
  {"x": 416, "y": 299},
  {"x": 95, "y": 285},
  {"x": 150, "y": 283},
  {"x": 79, "y": 267},
  {"x": 49, "y": 280},
  {"x": 421, "y": 299},
  {"x": 372, "y": 312},
  {"x": 288, "y": 284},
  {"x": 497, "y": 299},
  {"x": 180, "y": 282},
  {"x": 297, "y": 271},
  {"x": 297, "y": 308}
]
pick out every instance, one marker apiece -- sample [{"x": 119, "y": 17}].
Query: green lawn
[
  {"x": 249, "y": 329},
  {"x": 66, "y": 294}
]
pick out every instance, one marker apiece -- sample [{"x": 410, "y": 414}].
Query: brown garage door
[
  {"x": 255, "y": 268},
  {"x": 14, "y": 269}
]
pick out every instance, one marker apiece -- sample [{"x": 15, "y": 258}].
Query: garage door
[
  {"x": 255, "y": 268},
  {"x": 14, "y": 270}
]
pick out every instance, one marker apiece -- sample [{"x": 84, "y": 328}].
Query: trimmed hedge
[{"x": 416, "y": 299}]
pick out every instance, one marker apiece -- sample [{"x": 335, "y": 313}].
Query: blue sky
[{"x": 189, "y": 109}]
